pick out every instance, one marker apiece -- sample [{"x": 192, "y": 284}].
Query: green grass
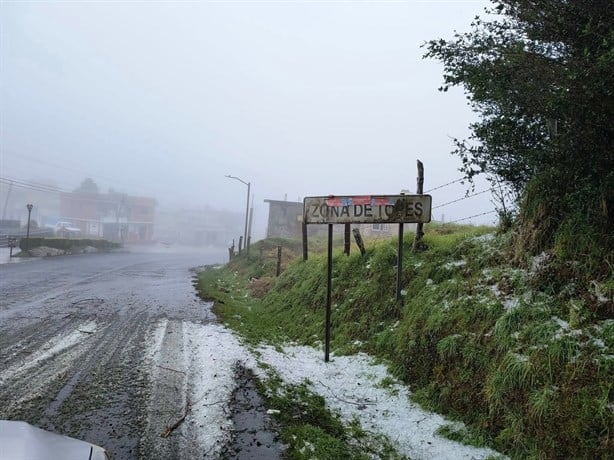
[
  {"x": 499, "y": 343},
  {"x": 310, "y": 430}
]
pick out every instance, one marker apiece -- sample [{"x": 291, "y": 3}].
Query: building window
[{"x": 380, "y": 227}]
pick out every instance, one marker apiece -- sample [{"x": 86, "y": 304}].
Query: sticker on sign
[{"x": 367, "y": 209}]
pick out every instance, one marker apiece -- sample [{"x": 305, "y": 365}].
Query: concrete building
[
  {"x": 285, "y": 218},
  {"x": 113, "y": 216}
]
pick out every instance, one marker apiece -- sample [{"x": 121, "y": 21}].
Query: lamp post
[
  {"x": 29, "y": 207},
  {"x": 246, "y": 206}
]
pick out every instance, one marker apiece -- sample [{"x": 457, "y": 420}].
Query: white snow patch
[
  {"x": 485, "y": 237},
  {"x": 212, "y": 352},
  {"x": 564, "y": 329},
  {"x": 601, "y": 297},
  {"x": 51, "y": 348},
  {"x": 539, "y": 260},
  {"x": 511, "y": 303},
  {"x": 455, "y": 263},
  {"x": 350, "y": 385},
  {"x": 562, "y": 323},
  {"x": 521, "y": 358},
  {"x": 153, "y": 350}
]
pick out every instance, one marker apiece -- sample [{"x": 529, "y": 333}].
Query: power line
[
  {"x": 471, "y": 217},
  {"x": 464, "y": 198},
  {"x": 30, "y": 185},
  {"x": 112, "y": 181},
  {"x": 101, "y": 198},
  {"x": 445, "y": 185}
]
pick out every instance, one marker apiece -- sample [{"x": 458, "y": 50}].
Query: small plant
[{"x": 310, "y": 430}]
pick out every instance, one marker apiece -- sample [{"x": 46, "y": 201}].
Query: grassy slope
[{"x": 523, "y": 358}]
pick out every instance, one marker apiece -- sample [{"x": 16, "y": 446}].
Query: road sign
[{"x": 367, "y": 209}]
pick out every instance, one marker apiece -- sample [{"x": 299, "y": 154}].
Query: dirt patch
[
  {"x": 259, "y": 287},
  {"x": 254, "y": 433}
]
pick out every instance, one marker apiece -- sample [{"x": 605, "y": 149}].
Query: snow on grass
[
  {"x": 455, "y": 264},
  {"x": 539, "y": 260},
  {"x": 351, "y": 385},
  {"x": 485, "y": 238}
]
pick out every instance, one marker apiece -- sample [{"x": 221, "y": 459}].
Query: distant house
[
  {"x": 285, "y": 219},
  {"x": 377, "y": 231},
  {"x": 113, "y": 216}
]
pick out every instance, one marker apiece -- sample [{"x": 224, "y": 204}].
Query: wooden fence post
[
  {"x": 346, "y": 240},
  {"x": 419, "y": 191},
  {"x": 231, "y": 250},
  {"x": 305, "y": 244},
  {"x": 359, "y": 242},
  {"x": 278, "y": 271}
]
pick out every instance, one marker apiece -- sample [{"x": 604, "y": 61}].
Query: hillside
[{"x": 521, "y": 352}]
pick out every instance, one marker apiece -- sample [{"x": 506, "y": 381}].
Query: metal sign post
[
  {"x": 362, "y": 209},
  {"x": 400, "y": 263},
  {"x": 329, "y": 291}
]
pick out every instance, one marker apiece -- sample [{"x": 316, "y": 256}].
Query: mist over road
[{"x": 108, "y": 348}]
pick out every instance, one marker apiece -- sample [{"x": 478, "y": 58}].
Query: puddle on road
[{"x": 254, "y": 432}]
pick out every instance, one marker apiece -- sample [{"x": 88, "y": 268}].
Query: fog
[{"x": 298, "y": 98}]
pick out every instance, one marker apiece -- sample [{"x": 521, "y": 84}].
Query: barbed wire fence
[{"x": 461, "y": 199}]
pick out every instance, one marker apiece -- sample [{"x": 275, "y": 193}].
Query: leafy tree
[
  {"x": 540, "y": 73},
  {"x": 87, "y": 186}
]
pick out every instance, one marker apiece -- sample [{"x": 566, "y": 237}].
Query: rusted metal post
[
  {"x": 305, "y": 243},
  {"x": 419, "y": 191},
  {"x": 346, "y": 239},
  {"x": 329, "y": 290},
  {"x": 359, "y": 242},
  {"x": 278, "y": 271},
  {"x": 400, "y": 263}
]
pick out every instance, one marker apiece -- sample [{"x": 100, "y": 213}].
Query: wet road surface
[{"x": 108, "y": 348}]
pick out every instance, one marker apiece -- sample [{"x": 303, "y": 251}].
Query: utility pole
[
  {"x": 29, "y": 207},
  {"x": 245, "y": 234},
  {"x": 6, "y": 202}
]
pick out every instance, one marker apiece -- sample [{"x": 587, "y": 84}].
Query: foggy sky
[{"x": 299, "y": 98}]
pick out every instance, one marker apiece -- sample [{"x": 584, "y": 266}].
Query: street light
[
  {"x": 29, "y": 206},
  {"x": 246, "y": 206}
]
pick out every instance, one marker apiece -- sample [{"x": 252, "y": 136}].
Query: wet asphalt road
[{"x": 76, "y": 348}]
